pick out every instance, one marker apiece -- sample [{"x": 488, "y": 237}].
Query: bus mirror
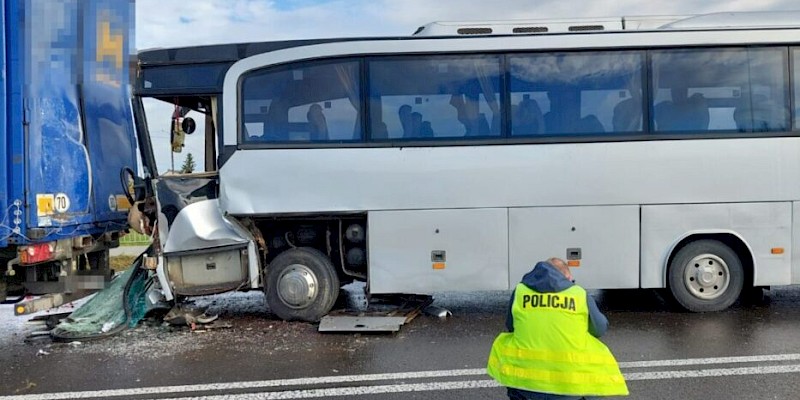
[{"x": 188, "y": 126}]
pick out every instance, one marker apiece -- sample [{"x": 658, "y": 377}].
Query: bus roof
[
  {"x": 725, "y": 20},
  {"x": 201, "y": 69},
  {"x": 218, "y": 53},
  {"x": 228, "y": 53}
]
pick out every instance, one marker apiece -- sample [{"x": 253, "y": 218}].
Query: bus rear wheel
[
  {"x": 705, "y": 275},
  {"x": 301, "y": 285}
]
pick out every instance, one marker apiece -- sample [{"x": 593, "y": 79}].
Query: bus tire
[
  {"x": 301, "y": 285},
  {"x": 705, "y": 275}
]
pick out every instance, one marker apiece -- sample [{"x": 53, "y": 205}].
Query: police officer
[{"x": 551, "y": 350}]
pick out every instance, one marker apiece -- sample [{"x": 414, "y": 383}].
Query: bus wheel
[
  {"x": 705, "y": 275},
  {"x": 301, "y": 285}
]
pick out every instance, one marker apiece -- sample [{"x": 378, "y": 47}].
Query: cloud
[{"x": 171, "y": 23}]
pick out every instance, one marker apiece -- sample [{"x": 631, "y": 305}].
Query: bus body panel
[
  {"x": 423, "y": 251},
  {"x": 761, "y": 226},
  {"x": 475, "y": 212},
  {"x": 607, "y": 173},
  {"x": 795, "y": 245},
  {"x": 604, "y": 239}
]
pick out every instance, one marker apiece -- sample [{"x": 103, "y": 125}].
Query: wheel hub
[
  {"x": 707, "y": 276},
  {"x": 297, "y": 286}
]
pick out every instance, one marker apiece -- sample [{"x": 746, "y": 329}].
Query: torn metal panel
[
  {"x": 175, "y": 192},
  {"x": 199, "y": 226},
  {"x": 205, "y": 253},
  {"x": 343, "y": 323}
]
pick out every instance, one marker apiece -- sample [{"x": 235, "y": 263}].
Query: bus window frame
[
  {"x": 288, "y": 66},
  {"x": 646, "y": 134}
]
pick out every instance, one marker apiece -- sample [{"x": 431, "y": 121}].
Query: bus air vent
[
  {"x": 530, "y": 29},
  {"x": 582, "y": 28},
  {"x": 474, "y": 31}
]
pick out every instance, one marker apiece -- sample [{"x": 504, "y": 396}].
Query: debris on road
[
  {"x": 188, "y": 315},
  {"x": 439, "y": 312},
  {"x": 383, "y": 314},
  {"x": 118, "y": 307}
]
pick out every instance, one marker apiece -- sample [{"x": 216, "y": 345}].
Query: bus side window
[
  {"x": 577, "y": 93},
  {"x": 527, "y": 117},
  {"x": 627, "y": 115},
  {"x": 315, "y": 101},
  {"x": 796, "y": 91},
  {"x": 317, "y": 124},
  {"x": 682, "y": 112},
  {"x": 731, "y": 89},
  {"x": 435, "y": 97},
  {"x": 565, "y": 113}
]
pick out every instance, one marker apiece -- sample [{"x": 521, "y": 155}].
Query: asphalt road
[{"x": 751, "y": 351}]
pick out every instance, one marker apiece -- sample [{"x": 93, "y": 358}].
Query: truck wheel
[
  {"x": 301, "y": 285},
  {"x": 705, "y": 275}
]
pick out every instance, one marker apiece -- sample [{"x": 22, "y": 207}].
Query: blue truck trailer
[{"x": 67, "y": 132}]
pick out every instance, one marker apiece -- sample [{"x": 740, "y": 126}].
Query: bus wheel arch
[
  {"x": 301, "y": 284},
  {"x": 708, "y": 272}
]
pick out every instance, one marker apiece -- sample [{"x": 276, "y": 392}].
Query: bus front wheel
[
  {"x": 705, "y": 275},
  {"x": 301, "y": 285}
]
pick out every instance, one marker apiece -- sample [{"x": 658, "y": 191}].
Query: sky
[{"x": 173, "y": 23}]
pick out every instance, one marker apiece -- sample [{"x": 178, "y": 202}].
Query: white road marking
[
  {"x": 707, "y": 361},
  {"x": 706, "y": 373},
  {"x": 424, "y": 387},
  {"x": 352, "y": 391},
  {"x": 248, "y": 385},
  {"x": 374, "y": 389}
]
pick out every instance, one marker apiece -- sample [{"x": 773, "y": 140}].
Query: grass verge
[{"x": 121, "y": 262}]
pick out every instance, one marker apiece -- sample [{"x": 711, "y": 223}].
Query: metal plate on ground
[{"x": 343, "y": 323}]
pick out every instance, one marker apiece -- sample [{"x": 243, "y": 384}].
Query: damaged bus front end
[{"x": 196, "y": 249}]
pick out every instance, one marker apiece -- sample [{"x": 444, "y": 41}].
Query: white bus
[{"x": 648, "y": 155}]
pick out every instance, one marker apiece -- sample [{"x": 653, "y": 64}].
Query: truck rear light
[{"x": 37, "y": 253}]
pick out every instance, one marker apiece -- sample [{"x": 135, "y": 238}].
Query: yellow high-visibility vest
[{"x": 551, "y": 349}]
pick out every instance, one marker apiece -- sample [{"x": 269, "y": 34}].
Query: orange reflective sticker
[{"x": 45, "y": 204}]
